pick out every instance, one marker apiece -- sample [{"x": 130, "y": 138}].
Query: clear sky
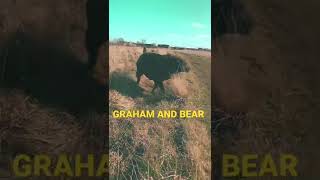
[{"x": 185, "y": 23}]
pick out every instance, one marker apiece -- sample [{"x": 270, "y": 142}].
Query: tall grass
[{"x": 154, "y": 148}]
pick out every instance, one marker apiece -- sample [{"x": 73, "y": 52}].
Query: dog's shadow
[
  {"x": 52, "y": 74},
  {"x": 127, "y": 86},
  {"x": 124, "y": 84}
]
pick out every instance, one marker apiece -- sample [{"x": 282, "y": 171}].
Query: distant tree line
[{"x": 143, "y": 43}]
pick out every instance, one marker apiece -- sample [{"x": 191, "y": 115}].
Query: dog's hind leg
[
  {"x": 138, "y": 75},
  {"x": 155, "y": 87},
  {"x": 160, "y": 84}
]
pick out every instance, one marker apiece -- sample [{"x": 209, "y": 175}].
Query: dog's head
[{"x": 182, "y": 66}]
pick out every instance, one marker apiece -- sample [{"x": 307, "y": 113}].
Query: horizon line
[{"x": 170, "y": 45}]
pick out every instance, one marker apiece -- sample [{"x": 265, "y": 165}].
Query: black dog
[
  {"x": 159, "y": 68},
  {"x": 97, "y": 32}
]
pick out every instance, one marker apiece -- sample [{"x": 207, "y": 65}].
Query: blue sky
[{"x": 185, "y": 23}]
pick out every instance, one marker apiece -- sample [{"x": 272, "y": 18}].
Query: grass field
[
  {"x": 271, "y": 74},
  {"x": 156, "y": 149}
]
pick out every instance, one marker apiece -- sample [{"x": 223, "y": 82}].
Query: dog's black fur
[
  {"x": 159, "y": 68},
  {"x": 97, "y": 32},
  {"x": 230, "y": 16}
]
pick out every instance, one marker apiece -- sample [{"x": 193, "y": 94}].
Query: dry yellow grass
[
  {"x": 283, "y": 116},
  {"x": 29, "y": 127},
  {"x": 155, "y": 149},
  {"x": 206, "y": 54}
]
